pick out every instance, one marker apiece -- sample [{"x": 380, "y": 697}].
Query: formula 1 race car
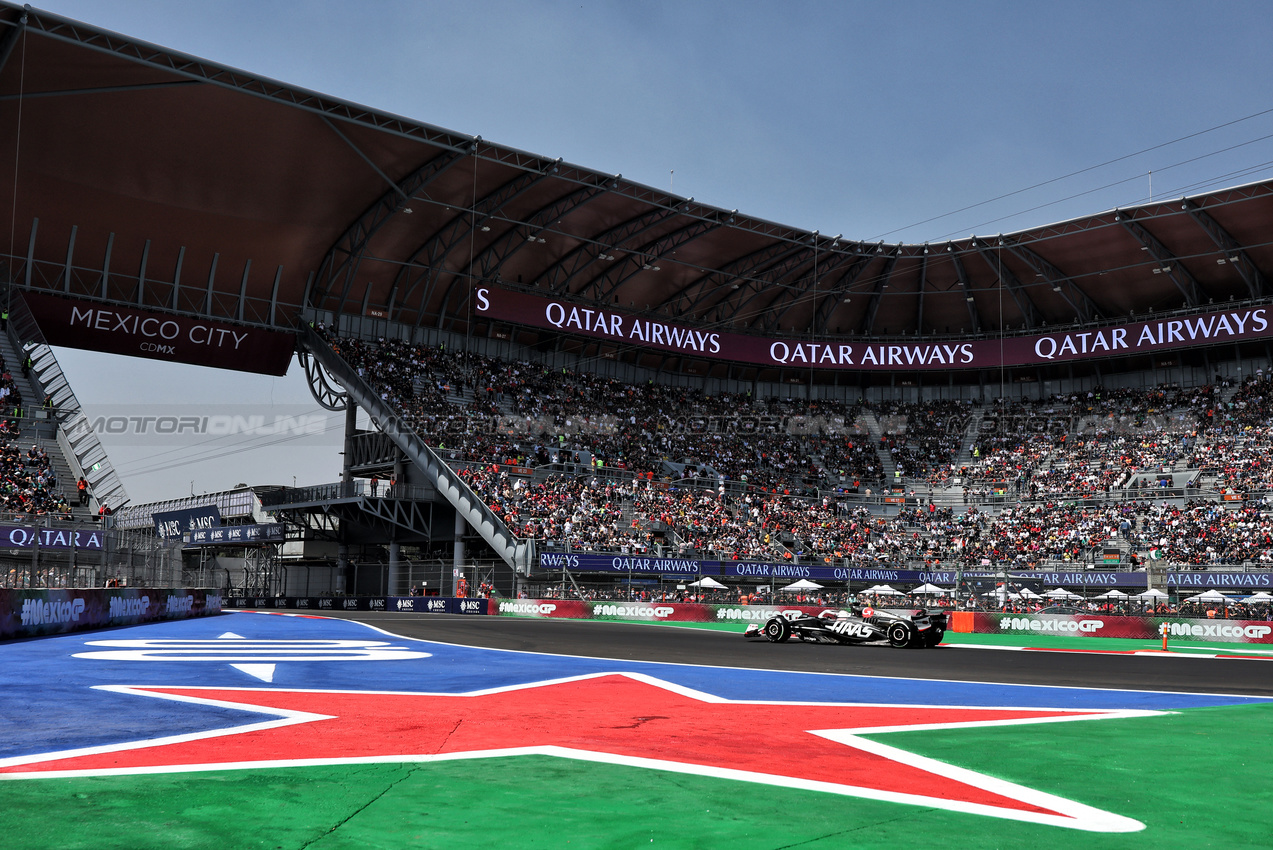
[{"x": 919, "y": 628}]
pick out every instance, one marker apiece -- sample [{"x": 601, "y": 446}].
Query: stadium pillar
[
  {"x": 458, "y": 563},
  {"x": 351, "y": 428},
  {"x": 395, "y": 550},
  {"x": 346, "y": 479}
]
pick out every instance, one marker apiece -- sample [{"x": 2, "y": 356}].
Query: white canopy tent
[
  {"x": 1151, "y": 594},
  {"x": 1259, "y": 597},
  {"x": 708, "y": 582},
  {"x": 802, "y": 584},
  {"x": 883, "y": 590},
  {"x": 1061, "y": 593},
  {"x": 1209, "y": 596},
  {"x": 1112, "y": 594},
  {"x": 929, "y": 590}
]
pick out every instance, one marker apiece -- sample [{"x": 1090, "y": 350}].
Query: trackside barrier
[
  {"x": 1094, "y": 625},
  {"x": 28, "y": 613},
  {"x": 1097, "y": 625},
  {"x": 1178, "y": 628},
  {"x": 402, "y": 604},
  {"x": 670, "y": 612}
]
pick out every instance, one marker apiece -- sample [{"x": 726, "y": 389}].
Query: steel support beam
[
  {"x": 9, "y": 40},
  {"x": 1085, "y": 308},
  {"x": 960, "y": 272},
  {"x": 652, "y": 252},
  {"x": 1168, "y": 263},
  {"x": 919, "y": 307},
  {"x": 325, "y": 391},
  {"x": 491, "y": 259},
  {"x": 867, "y": 327},
  {"x": 743, "y": 267},
  {"x": 760, "y": 277},
  {"x": 560, "y": 274},
  {"x": 340, "y": 263},
  {"x": 834, "y": 298},
  {"x": 818, "y": 270},
  {"x": 1007, "y": 279},
  {"x": 1235, "y": 257},
  {"x": 70, "y": 255},
  {"x": 454, "y": 233}
]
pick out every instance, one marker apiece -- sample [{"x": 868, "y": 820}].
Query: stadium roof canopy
[{"x": 162, "y": 180}]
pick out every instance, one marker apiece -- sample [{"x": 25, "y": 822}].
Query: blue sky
[{"x": 871, "y": 120}]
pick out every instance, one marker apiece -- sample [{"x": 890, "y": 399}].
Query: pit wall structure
[{"x": 35, "y": 612}]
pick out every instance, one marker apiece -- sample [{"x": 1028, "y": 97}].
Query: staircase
[
  {"x": 515, "y": 552},
  {"x": 40, "y": 426},
  {"x": 67, "y": 434},
  {"x": 964, "y": 457},
  {"x": 887, "y": 464}
]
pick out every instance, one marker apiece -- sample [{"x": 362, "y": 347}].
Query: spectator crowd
[{"x": 621, "y": 467}]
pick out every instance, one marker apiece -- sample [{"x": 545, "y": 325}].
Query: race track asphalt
[{"x": 671, "y": 644}]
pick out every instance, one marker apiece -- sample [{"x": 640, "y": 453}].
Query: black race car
[{"x": 919, "y": 628}]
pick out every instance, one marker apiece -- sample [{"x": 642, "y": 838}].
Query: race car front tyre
[
  {"x": 777, "y": 630},
  {"x": 899, "y": 635}
]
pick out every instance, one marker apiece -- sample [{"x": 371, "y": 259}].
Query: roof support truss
[
  {"x": 461, "y": 228},
  {"x": 1079, "y": 302},
  {"x": 881, "y": 283},
  {"x": 641, "y": 259},
  {"x": 835, "y": 297},
  {"x": 962, "y": 274},
  {"x": 10, "y": 39},
  {"x": 1235, "y": 257},
  {"x": 772, "y": 280},
  {"x": 1007, "y": 279},
  {"x": 1168, "y": 263},
  {"x": 340, "y": 265},
  {"x": 919, "y": 296},
  {"x": 697, "y": 292},
  {"x": 492, "y": 259},
  {"x": 560, "y": 274},
  {"x": 810, "y": 290}
]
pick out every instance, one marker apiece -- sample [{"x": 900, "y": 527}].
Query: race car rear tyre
[
  {"x": 899, "y": 635},
  {"x": 777, "y": 630},
  {"x": 934, "y": 636}
]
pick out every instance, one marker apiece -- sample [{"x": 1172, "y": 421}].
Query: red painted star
[{"x": 616, "y": 718}]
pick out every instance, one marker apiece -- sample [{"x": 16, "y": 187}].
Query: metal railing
[
  {"x": 76, "y": 438},
  {"x": 517, "y": 552},
  {"x": 342, "y": 490}
]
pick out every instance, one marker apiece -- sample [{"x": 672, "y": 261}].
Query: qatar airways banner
[
  {"x": 1098, "y": 625},
  {"x": 22, "y": 537},
  {"x": 115, "y": 329},
  {"x": 621, "y": 328},
  {"x": 691, "y": 568}
]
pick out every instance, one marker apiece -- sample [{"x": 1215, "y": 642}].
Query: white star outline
[{"x": 1070, "y": 814}]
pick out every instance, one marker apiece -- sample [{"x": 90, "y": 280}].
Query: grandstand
[{"x": 559, "y": 363}]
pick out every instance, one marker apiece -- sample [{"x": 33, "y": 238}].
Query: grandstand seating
[
  {"x": 624, "y": 468},
  {"x": 29, "y": 486}
]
